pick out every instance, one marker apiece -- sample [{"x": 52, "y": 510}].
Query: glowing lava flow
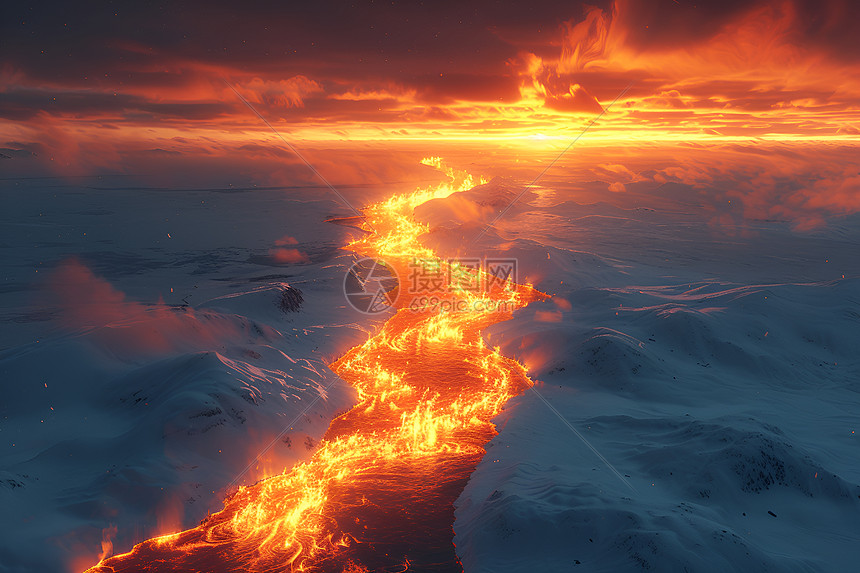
[{"x": 378, "y": 493}]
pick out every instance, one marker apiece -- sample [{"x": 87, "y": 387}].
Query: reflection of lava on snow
[{"x": 378, "y": 494}]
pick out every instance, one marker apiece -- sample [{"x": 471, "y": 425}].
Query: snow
[
  {"x": 142, "y": 374},
  {"x": 718, "y": 375},
  {"x": 714, "y": 367}
]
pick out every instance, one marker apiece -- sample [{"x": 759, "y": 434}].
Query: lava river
[{"x": 378, "y": 493}]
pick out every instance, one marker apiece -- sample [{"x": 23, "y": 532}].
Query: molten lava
[{"x": 378, "y": 493}]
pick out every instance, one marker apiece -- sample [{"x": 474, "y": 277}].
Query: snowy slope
[
  {"x": 718, "y": 375},
  {"x": 714, "y": 368},
  {"x": 141, "y": 380}
]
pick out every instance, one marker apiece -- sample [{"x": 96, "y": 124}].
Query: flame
[{"x": 427, "y": 387}]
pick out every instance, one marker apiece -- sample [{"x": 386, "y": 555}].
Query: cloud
[
  {"x": 751, "y": 57},
  {"x": 728, "y": 184},
  {"x": 576, "y": 98},
  {"x": 291, "y": 92},
  {"x": 86, "y": 302},
  {"x": 283, "y": 256},
  {"x": 617, "y": 170},
  {"x": 475, "y": 87},
  {"x": 89, "y": 83},
  {"x": 286, "y": 240},
  {"x": 548, "y": 316},
  {"x": 804, "y": 186}
]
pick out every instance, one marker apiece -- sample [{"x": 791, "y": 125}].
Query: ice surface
[
  {"x": 143, "y": 373},
  {"x": 714, "y": 367},
  {"x": 717, "y": 374}
]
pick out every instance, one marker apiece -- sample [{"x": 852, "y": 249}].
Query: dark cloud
[
  {"x": 24, "y": 104},
  {"x": 475, "y": 86},
  {"x": 132, "y": 43},
  {"x": 669, "y": 24},
  {"x": 148, "y": 62},
  {"x": 666, "y": 24}
]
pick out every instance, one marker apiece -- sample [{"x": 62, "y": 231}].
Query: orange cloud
[
  {"x": 284, "y": 256},
  {"x": 286, "y": 240},
  {"x": 794, "y": 182},
  {"x": 280, "y": 93},
  {"x": 127, "y": 328},
  {"x": 751, "y": 64},
  {"x": 548, "y": 316}
]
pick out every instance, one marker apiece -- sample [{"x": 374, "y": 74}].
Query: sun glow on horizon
[{"x": 745, "y": 81}]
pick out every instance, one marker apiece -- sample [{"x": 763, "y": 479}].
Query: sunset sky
[
  {"x": 116, "y": 88},
  {"x": 190, "y": 192}
]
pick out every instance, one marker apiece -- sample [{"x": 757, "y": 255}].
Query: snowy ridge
[
  {"x": 718, "y": 375},
  {"x": 123, "y": 419}
]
